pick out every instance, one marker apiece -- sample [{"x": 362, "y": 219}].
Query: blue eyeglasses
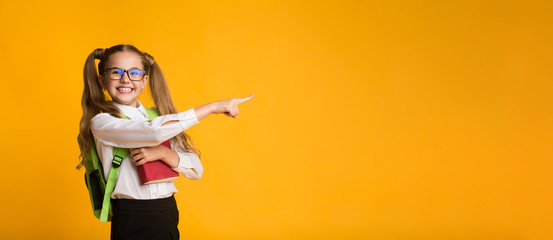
[{"x": 133, "y": 74}]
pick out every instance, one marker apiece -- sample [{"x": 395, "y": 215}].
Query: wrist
[
  {"x": 171, "y": 158},
  {"x": 164, "y": 153},
  {"x": 212, "y": 107},
  {"x": 204, "y": 110}
]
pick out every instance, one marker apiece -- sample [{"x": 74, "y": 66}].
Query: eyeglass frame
[{"x": 128, "y": 74}]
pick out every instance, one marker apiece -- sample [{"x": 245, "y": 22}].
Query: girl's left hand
[
  {"x": 148, "y": 154},
  {"x": 229, "y": 107}
]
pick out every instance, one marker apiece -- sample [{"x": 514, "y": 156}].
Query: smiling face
[{"x": 123, "y": 91}]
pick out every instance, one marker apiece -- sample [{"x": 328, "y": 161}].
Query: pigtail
[
  {"x": 159, "y": 89},
  {"x": 164, "y": 103},
  {"x": 93, "y": 101}
]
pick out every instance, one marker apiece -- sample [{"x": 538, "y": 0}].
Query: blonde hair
[{"x": 94, "y": 101}]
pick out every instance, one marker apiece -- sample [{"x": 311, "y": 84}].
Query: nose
[{"x": 125, "y": 78}]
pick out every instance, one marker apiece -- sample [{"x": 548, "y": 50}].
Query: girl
[{"x": 140, "y": 211}]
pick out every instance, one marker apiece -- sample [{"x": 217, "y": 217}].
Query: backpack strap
[
  {"x": 118, "y": 155},
  {"x": 152, "y": 113}
]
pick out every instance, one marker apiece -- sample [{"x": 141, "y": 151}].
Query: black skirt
[{"x": 145, "y": 219}]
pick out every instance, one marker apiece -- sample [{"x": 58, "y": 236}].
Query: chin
[{"x": 128, "y": 103}]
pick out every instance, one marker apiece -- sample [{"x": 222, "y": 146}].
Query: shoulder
[
  {"x": 101, "y": 116},
  {"x": 101, "y": 119}
]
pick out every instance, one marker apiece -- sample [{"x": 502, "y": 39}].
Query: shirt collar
[{"x": 131, "y": 111}]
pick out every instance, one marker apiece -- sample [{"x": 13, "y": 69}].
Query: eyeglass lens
[{"x": 133, "y": 74}]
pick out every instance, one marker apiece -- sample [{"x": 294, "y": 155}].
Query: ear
[
  {"x": 101, "y": 81},
  {"x": 145, "y": 81}
]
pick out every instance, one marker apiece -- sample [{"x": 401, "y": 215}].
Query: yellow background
[{"x": 372, "y": 120}]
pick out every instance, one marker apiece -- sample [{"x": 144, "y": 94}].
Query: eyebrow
[{"x": 133, "y": 68}]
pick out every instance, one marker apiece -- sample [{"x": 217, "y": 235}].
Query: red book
[{"x": 157, "y": 171}]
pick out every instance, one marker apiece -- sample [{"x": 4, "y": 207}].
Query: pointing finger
[{"x": 243, "y": 100}]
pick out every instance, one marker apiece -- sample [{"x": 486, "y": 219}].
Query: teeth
[{"x": 124, "y": 89}]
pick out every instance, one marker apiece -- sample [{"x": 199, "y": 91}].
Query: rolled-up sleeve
[
  {"x": 189, "y": 165},
  {"x": 125, "y": 133}
]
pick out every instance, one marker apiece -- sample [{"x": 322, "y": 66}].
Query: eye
[
  {"x": 116, "y": 71},
  {"x": 135, "y": 72}
]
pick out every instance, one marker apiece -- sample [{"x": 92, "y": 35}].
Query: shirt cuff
[
  {"x": 184, "y": 161},
  {"x": 187, "y": 167}
]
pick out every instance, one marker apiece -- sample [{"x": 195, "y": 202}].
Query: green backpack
[{"x": 99, "y": 190}]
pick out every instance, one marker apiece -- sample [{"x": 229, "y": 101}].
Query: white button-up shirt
[{"x": 110, "y": 132}]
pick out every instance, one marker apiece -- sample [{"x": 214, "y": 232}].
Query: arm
[
  {"x": 126, "y": 133},
  {"x": 229, "y": 107},
  {"x": 148, "y": 154},
  {"x": 188, "y": 164}
]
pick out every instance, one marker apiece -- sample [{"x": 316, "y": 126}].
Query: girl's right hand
[{"x": 229, "y": 107}]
